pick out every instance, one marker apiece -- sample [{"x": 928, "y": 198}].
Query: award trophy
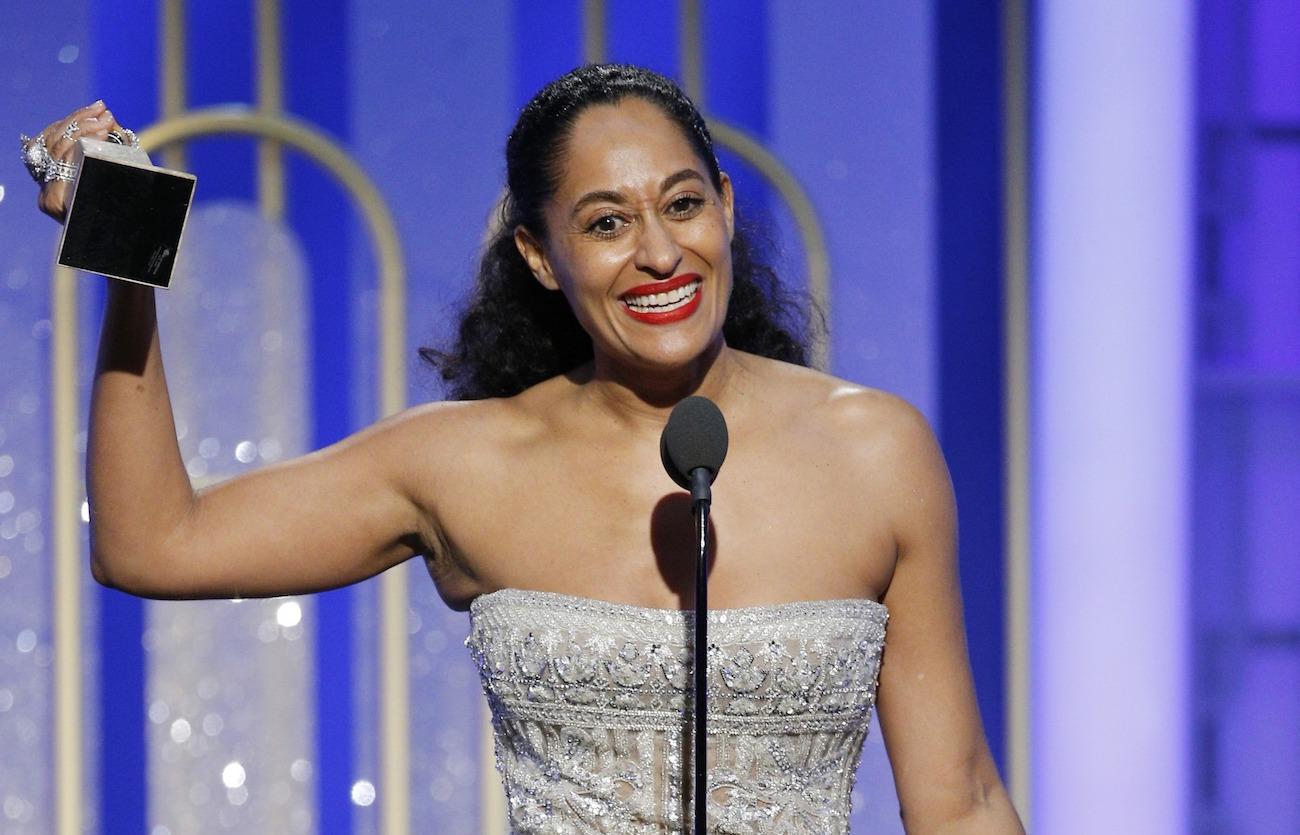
[{"x": 125, "y": 215}]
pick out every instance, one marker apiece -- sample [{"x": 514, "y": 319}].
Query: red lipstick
[
  {"x": 671, "y": 311},
  {"x": 661, "y": 286}
]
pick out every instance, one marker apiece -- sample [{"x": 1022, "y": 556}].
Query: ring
[
  {"x": 71, "y": 130},
  {"x": 60, "y": 170},
  {"x": 123, "y": 136},
  {"x": 36, "y": 157}
]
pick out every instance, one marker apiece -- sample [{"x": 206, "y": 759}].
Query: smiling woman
[
  {"x": 633, "y": 225},
  {"x": 617, "y": 285},
  {"x": 515, "y": 332}
]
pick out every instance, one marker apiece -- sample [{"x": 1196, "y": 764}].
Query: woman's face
[{"x": 637, "y": 238}]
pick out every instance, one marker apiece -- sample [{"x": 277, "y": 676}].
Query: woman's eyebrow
[
  {"x": 685, "y": 174},
  {"x": 598, "y": 197},
  {"x": 617, "y": 198}
]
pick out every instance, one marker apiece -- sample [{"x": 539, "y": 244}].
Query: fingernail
[{"x": 98, "y": 103}]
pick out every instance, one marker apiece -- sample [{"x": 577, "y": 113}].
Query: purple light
[{"x": 1111, "y": 349}]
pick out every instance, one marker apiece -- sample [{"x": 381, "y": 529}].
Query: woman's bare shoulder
[
  {"x": 455, "y": 428},
  {"x": 468, "y": 427},
  {"x": 852, "y": 410},
  {"x": 873, "y": 446},
  {"x": 457, "y": 416},
  {"x": 864, "y": 435}
]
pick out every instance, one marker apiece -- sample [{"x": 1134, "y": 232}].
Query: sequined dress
[{"x": 591, "y": 712}]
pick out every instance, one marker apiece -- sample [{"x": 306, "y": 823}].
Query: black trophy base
[{"x": 126, "y": 216}]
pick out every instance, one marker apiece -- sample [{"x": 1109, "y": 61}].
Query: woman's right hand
[{"x": 95, "y": 121}]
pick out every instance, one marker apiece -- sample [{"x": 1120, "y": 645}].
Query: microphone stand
[
  {"x": 692, "y": 448},
  {"x": 701, "y": 495}
]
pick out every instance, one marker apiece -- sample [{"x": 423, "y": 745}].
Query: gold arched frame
[
  {"x": 295, "y": 133},
  {"x": 817, "y": 262},
  {"x": 391, "y": 395},
  {"x": 394, "y": 662}
]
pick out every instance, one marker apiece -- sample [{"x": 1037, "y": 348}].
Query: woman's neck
[{"x": 637, "y": 395}]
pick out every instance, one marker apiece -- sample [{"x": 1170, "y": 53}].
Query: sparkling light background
[{"x": 266, "y": 710}]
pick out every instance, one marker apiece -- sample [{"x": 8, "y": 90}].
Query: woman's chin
[{"x": 667, "y": 355}]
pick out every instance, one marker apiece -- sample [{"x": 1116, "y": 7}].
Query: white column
[{"x": 1112, "y": 289}]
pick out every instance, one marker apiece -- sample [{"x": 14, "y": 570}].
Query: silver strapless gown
[{"x": 592, "y": 718}]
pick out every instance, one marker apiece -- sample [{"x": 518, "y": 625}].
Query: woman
[{"x": 539, "y": 502}]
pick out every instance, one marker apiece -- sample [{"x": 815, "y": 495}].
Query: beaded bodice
[{"x": 592, "y": 717}]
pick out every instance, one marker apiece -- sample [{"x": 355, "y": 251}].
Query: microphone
[{"x": 693, "y": 445}]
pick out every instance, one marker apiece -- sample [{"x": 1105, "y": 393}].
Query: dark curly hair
[{"x": 513, "y": 332}]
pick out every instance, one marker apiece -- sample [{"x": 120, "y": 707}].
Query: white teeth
[{"x": 663, "y": 302}]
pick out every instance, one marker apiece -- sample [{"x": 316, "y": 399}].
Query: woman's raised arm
[{"x": 324, "y": 520}]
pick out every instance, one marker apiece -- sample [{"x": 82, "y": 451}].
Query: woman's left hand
[{"x": 94, "y": 121}]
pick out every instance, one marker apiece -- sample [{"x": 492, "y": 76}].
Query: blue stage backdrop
[{"x": 223, "y": 716}]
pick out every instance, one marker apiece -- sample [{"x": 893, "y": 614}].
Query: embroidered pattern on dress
[{"x": 591, "y": 712}]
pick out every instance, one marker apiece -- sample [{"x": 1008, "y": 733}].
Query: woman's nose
[{"x": 657, "y": 250}]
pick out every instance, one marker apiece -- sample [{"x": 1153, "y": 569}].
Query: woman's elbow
[
  {"x": 111, "y": 573},
  {"x": 988, "y": 812},
  {"x": 128, "y": 570},
  {"x": 100, "y": 571},
  {"x": 101, "y": 561},
  {"x": 976, "y": 804}
]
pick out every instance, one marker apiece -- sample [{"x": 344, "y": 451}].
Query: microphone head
[{"x": 695, "y": 436}]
